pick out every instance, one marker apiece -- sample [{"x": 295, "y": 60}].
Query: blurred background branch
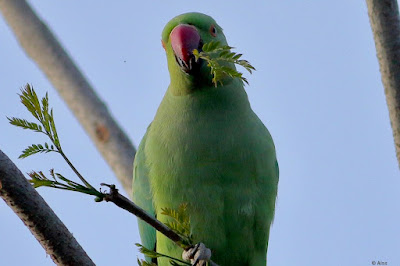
[{"x": 385, "y": 24}]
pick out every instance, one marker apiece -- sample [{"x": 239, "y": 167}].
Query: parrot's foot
[{"x": 198, "y": 255}]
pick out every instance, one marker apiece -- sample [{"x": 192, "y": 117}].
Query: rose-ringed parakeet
[{"x": 208, "y": 149}]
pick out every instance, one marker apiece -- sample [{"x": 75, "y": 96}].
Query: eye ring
[{"x": 213, "y": 30}]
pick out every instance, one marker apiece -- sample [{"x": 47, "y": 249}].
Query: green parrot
[{"x": 206, "y": 148}]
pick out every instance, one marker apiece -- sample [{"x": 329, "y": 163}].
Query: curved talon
[{"x": 198, "y": 255}]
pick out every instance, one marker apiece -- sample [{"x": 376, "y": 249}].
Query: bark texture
[
  {"x": 44, "y": 224},
  {"x": 44, "y": 49},
  {"x": 385, "y": 24}
]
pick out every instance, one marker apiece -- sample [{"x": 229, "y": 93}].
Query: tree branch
[
  {"x": 34, "y": 212},
  {"x": 124, "y": 203},
  {"x": 41, "y": 45},
  {"x": 385, "y": 24}
]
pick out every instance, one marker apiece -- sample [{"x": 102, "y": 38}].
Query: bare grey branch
[
  {"x": 44, "y": 224},
  {"x": 385, "y": 24}
]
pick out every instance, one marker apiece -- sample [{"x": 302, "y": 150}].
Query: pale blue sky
[{"x": 317, "y": 88}]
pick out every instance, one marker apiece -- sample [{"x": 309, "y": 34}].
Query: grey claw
[{"x": 198, "y": 255}]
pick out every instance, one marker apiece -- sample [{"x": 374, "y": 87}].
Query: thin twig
[
  {"x": 74, "y": 169},
  {"x": 129, "y": 206}
]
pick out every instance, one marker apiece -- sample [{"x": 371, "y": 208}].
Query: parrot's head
[{"x": 180, "y": 37}]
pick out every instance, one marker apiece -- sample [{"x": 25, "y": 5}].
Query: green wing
[{"x": 142, "y": 196}]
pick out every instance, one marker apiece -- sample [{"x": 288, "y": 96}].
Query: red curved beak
[{"x": 184, "y": 39}]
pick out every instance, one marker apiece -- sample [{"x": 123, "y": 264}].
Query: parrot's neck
[
  {"x": 184, "y": 84},
  {"x": 186, "y": 100}
]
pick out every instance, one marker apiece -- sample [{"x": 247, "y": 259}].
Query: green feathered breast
[{"x": 207, "y": 148}]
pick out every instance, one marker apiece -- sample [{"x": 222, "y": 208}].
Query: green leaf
[
  {"x": 215, "y": 55},
  {"x": 38, "y": 179},
  {"x": 54, "y": 130},
  {"x": 72, "y": 184},
  {"x": 153, "y": 254},
  {"x": 223, "y": 54},
  {"x": 174, "y": 263},
  {"x": 40, "y": 110},
  {"x": 147, "y": 252},
  {"x": 45, "y": 114},
  {"x": 180, "y": 222},
  {"x": 196, "y": 54},
  {"x": 214, "y": 45},
  {"x": 36, "y": 148},
  {"x": 31, "y": 101},
  {"x": 25, "y": 124},
  {"x": 205, "y": 47},
  {"x": 237, "y": 56},
  {"x": 145, "y": 263}
]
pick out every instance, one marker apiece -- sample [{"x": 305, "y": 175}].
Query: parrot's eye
[{"x": 213, "y": 31}]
